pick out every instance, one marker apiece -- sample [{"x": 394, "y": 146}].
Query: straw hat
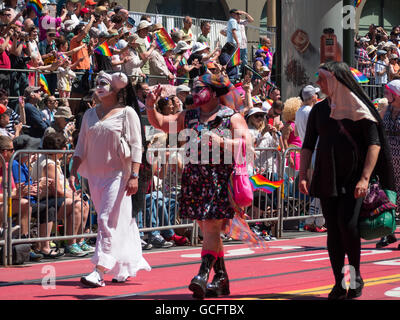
[
  {"x": 143, "y": 25},
  {"x": 371, "y": 49}
]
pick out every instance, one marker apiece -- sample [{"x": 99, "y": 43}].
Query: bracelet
[{"x": 134, "y": 175}]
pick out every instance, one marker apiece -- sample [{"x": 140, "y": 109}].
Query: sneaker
[
  {"x": 321, "y": 229},
  {"x": 385, "y": 241},
  {"x": 33, "y": 256},
  {"x": 310, "y": 228},
  {"x": 93, "y": 280},
  {"x": 122, "y": 280},
  {"x": 145, "y": 245},
  {"x": 75, "y": 251},
  {"x": 159, "y": 242},
  {"x": 85, "y": 247},
  {"x": 179, "y": 240}
]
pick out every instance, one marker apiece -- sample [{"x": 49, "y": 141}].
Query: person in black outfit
[{"x": 352, "y": 148}]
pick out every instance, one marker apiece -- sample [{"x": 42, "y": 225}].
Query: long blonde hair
[{"x": 291, "y": 106}]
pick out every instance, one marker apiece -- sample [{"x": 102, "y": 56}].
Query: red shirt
[{"x": 5, "y": 62}]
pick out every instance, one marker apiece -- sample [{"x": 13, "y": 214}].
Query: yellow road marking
[{"x": 325, "y": 289}]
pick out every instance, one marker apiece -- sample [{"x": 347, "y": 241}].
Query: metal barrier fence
[
  {"x": 43, "y": 218},
  {"x": 3, "y": 211}
]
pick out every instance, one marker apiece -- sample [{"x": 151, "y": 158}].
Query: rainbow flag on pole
[
  {"x": 36, "y": 5},
  {"x": 164, "y": 41},
  {"x": 103, "y": 50},
  {"x": 261, "y": 183},
  {"x": 357, "y": 3},
  {"x": 235, "y": 59},
  {"x": 43, "y": 84}
]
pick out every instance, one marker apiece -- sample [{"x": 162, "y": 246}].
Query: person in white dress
[{"x": 112, "y": 180}]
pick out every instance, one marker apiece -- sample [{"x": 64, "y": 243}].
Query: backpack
[{"x": 20, "y": 253}]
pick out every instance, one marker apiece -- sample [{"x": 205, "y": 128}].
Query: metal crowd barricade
[
  {"x": 3, "y": 212},
  {"x": 161, "y": 209},
  {"x": 295, "y": 205},
  {"x": 34, "y": 202},
  {"x": 266, "y": 208}
]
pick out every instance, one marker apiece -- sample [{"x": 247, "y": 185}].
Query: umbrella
[{"x": 359, "y": 76}]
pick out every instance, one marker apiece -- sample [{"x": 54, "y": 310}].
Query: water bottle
[{"x": 301, "y": 225}]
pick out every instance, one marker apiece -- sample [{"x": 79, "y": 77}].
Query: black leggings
[{"x": 341, "y": 215}]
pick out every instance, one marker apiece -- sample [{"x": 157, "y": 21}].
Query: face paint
[
  {"x": 201, "y": 95},
  {"x": 103, "y": 89}
]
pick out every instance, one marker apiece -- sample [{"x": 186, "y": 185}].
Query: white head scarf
[
  {"x": 344, "y": 103},
  {"x": 117, "y": 80}
]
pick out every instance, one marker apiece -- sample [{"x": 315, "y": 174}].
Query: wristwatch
[{"x": 134, "y": 175}]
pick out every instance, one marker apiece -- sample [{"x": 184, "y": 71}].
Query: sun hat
[
  {"x": 253, "y": 111},
  {"x": 63, "y": 112},
  {"x": 182, "y": 45},
  {"x": 143, "y": 25},
  {"x": 371, "y": 49},
  {"x": 182, "y": 88},
  {"x": 199, "y": 46},
  {"x": 256, "y": 100}
]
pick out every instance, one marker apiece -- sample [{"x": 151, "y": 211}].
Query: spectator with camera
[{"x": 35, "y": 119}]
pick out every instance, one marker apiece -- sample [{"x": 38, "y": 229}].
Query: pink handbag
[{"x": 239, "y": 186}]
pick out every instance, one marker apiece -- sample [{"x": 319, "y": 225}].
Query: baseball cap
[
  {"x": 30, "y": 90},
  {"x": 381, "y": 52},
  {"x": 3, "y": 108},
  {"x": 85, "y": 10},
  {"x": 182, "y": 88},
  {"x": 131, "y": 21},
  {"x": 309, "y": 91},
  {"x": 233, "y": 11}
]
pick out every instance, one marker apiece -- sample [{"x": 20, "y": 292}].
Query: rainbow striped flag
[
  {"x": 43, "y": 84},
  {"x": 164, "y": 41},
  {"x": 103, "y": 50},
  {"x": 235, "y": 59},
  {"x": 36, "y": 5},
  {"x": 357, "y": 3},
  {"x": 261, "y": 183},
  {"x": 238, "y": 229}
]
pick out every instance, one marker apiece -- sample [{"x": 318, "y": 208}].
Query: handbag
[
  {"x": 377, "y": 214},
  {"x": 239, "y": 186},
  {"x": 125, "y": 148}
]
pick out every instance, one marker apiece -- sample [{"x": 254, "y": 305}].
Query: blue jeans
[
  {"x": 165, "y": 206},
  {"x": 244, "y": 58}
]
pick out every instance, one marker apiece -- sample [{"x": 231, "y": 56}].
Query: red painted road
[{"x": 289, "y": 269}]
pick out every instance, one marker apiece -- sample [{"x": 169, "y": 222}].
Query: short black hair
[{"x": 54, "y": 141}]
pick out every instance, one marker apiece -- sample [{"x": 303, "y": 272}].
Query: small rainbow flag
[
  {"x": 43, "y": 84},
  {"x": 103, "y": 50},
  {"x": 235, "y": 59},
  {"x": 359, "y": 76},
  {"x": 238, "y": 229},
  {"x": 357, "y": 3},
  {"x": 164, "y": 41},
  {"x": 261, "y": 183},
  {"x": 36, "y": 5}
]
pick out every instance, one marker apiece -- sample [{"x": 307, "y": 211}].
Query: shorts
[
  {"x": 49, "y": 203},
  {"x": 78, "y": 86}
]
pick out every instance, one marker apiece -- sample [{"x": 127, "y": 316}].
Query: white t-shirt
[
  {"x": 301, "y": 121},
  {"x": 379, "y": 67},
  {"x": 242, "y": 27},
  {"x": 233, "y": 25}
]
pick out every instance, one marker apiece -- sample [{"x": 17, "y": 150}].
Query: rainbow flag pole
[
  {"x": 234, "y": 60},
  {"x": 261, "y": 183},
  {"x": 164, "y": 41},
  {"x": 43, "y": 84},
  {"x": 103, "y": 50}
]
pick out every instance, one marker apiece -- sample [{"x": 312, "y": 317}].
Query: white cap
[
  {"x": 254, "y": 111},
  {"x": 199, "y": 46},
  {"x": 394, "y": 87},
  {"x": 308, "y": 92},
  {"x": 182, "y": 88}
]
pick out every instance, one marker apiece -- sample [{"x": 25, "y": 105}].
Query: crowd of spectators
[
  {"x": 61, "y": 45},
  {"x": 378, "y": 54}
]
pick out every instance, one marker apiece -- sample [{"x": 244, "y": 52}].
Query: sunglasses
[
  {"x": 259, "y": 116},
  {"x": 11, "y": 150}
]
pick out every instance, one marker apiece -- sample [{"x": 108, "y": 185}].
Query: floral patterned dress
[{"x": 204, "y": 192}]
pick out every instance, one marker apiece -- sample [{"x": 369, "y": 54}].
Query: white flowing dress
[{"x": 118, "y": 245}]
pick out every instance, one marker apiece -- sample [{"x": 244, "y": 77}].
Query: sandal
[{"x": 53, "y": 254}]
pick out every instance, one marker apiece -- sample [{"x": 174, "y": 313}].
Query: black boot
[
  {"x": 199, "y": 283},
  {"x": 357, "y": 292},
  {"x": 220, "y": 283},
  {"x": 337, "y": 293}
]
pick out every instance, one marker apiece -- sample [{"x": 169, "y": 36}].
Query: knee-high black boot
[
  {"x": 198, "y": 285},
  {"x": 220, "y": 283}
]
